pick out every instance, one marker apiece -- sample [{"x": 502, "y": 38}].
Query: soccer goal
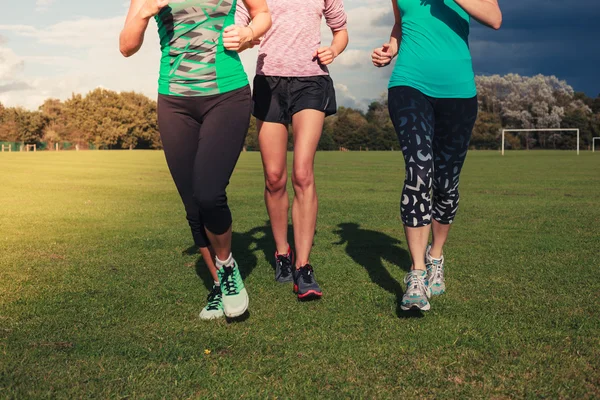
[
  {"x": 6, "y": 147},
  {"x": 594, "y": 143},
  {"x": 31, "y": 147},
  {"x": 504, "y": 131}
]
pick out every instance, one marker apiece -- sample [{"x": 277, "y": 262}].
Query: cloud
[
  {"x": 11, "y": 65},
  {"x": 345, "y": 97},
  {"x": 43, "y": 5},
  {"x": 353, "y": 59}
]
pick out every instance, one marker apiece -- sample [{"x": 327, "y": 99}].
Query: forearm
[
  {"x": 261, "y": 23},
  {"x": 339, "y": 42},
  {"x": 132, "y": 35},
  {"x": 395, "y": 39},
  {"x": 486, "y": 12}
]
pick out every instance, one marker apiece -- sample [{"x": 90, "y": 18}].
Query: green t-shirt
[
  {"x": 194, "y": 61},
  {"x": 434, "y": 55}
]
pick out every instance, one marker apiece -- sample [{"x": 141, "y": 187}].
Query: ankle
[
  {"x": 223, "y": 263},
  {"x": 284, "y": 250},
  {"x": 436, "y": 253}
]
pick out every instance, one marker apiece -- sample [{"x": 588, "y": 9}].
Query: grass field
[{"x": 99, "y": 297}]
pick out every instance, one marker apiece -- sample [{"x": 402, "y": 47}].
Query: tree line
[{"x": 105, "y": 119}]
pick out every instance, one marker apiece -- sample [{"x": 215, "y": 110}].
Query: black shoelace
[
  {"x": 306, "y": 273},
  {"x": 214, "y": 298},
  {"x": 285, "y": 265},
  {"x": 229, "y": 281}
]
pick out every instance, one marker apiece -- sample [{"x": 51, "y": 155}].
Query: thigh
[
  {"x": 273, "y": 139},
  {"x": 413, "y": 118},
  {"x": 307, "y": 126},
  {"x": 454, "y": 121},
  {"x": 179, "y": 133},
  {"x": 222, "y": 135},
  {"x": 270, "y": 99}
]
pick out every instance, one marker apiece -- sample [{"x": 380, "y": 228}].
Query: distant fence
[{"x": 59, "y": 146}]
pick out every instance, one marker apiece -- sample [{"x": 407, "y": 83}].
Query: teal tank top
[
  {"x": 194, "y": 61},
  {"x": 434, "y": 55}
]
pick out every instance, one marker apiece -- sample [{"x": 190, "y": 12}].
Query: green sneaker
[
  {"x": 435, "y": 273},
  {"x": 214, "y": 308},
  {"x": 417, "y": 292},
  {"x": 235, "y": 296}
]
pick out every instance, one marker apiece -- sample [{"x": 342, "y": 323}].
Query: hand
[
  {"x": 234, "y": 37},
  {"x": 325, "y": 55},
  {"x": 152, "y": 7},
  {"x": 256, "y": 42},
  {"x": 382, "y": 56}
]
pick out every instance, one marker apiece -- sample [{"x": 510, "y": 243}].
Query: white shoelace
[{"x": 415, "y": 284}]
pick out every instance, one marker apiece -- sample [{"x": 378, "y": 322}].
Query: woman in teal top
[
  {"x": 432, "y": 101},
  {"x": 203, "y": 116}
]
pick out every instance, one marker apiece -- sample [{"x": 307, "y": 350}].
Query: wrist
[{"x": 249, "y": 34}]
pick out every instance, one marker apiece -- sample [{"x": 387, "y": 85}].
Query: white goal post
[
  {"x": 594, "y": 143},
  {"x": 540, "y": 130}
]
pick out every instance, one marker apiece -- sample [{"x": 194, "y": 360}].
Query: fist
[
  {"x": 235, "y": 36},
  {"x": 382, "y": 56},
  {"x": 153, "y": 7},
  {"x": 325, "y": 55}
]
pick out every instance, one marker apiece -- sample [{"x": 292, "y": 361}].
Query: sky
[{"x": 54, "y": 48}]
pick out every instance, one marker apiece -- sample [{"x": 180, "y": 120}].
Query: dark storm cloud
[{"x": 550, "y": 37}]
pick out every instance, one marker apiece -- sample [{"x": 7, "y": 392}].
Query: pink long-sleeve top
[{"x": 287, "y": 49}]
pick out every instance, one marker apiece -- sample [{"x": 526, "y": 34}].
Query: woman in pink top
[{"x": 292, "y": 85}]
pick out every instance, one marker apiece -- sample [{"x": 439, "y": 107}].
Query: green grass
[{"x": 98, "y": 298}]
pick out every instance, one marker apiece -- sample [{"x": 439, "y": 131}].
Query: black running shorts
[{"x": 277, "y": 98}]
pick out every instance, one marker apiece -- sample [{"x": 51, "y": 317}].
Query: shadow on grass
[
  {"x": 242, "y": 247},
  {"x": 369, "y": 249},
  {"x": 264, "y": 240}
]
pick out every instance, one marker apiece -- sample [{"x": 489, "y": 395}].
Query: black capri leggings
[
  {"x": 434, "y": 136},
  {"x": 202, "y": 137}
]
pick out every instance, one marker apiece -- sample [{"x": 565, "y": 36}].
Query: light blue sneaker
[
  {"x": 417, "y": 292},
  {"x": 435, "y": 273}
]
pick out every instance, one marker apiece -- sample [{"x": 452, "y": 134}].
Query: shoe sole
[
  {"x": 214, "y": 316},
  {"x": 239, "y": 312},
  {"x": 309, "y": 294},
  {"x": 415, "y": 307}
]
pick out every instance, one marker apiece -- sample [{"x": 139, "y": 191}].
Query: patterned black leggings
[{"x": 434, "y": 135}]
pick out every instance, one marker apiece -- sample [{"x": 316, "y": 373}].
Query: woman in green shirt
[
  {"x": 203, "y": 116},
  {"x": 432, "y": 101}
]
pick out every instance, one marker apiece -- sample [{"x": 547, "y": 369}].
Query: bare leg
[
  {"x": 307, "y": 125},
  {"x": 221, "y": 244},
  {"x": 417, "y": 239},
  {"x": 272, "y": 139},
  {"x": 440, "y": 235}
]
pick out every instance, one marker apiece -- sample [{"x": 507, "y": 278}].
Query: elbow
[
  {"x": 125, "y": 52},
  {"x": 497, "y": 22},
  {"x": 126, "y": 49}
]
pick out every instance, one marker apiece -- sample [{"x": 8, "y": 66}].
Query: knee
[
  {"x": 210, "y": 200},
  {"x": 418, "y": 180},
  {"x": 275, "y": 181},
  {"x": 445, "y": 191},
  {"x": 303, "y": 178}
]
